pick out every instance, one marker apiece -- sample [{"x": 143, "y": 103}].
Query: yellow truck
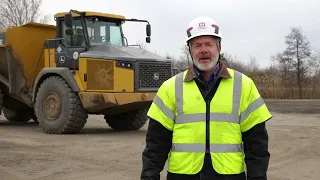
[{"x": 59, "y": 74}]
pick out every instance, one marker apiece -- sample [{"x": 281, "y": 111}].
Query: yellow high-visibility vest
[{"x": 235, "y": 108}]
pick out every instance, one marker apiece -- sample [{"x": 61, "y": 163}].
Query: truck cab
[{"x": 78, "y": 31}]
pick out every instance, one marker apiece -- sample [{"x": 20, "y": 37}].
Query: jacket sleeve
[
  {"x": 253, "y": 117},
  {"x": 155, "y": 154},
  {"x": 159, "y": 134},
  {"x": 255, "y": 142}
]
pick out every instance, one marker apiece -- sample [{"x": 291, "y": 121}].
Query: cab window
[{"x": 78, "y": 38}]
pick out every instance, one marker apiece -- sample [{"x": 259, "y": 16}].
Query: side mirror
[
  {"x": 148, "y": 39},
  {"x": 148, "y": 29},
  {"x": 68, "y": 20},
  {"x": 69, "y": 31}
]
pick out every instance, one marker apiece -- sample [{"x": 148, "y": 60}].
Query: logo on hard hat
[{"x": 202, "y": 25}]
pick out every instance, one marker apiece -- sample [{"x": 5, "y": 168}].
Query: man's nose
[{"x": 204, "y": 50}]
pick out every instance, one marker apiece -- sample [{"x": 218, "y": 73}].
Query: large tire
[
  {"x": 65, "y": 113},
  {"x": 16, "y": 115},
  {"x": 129, "y": 121}
]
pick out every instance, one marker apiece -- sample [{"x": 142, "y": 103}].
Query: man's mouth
[{"x": 204, "y": 59}]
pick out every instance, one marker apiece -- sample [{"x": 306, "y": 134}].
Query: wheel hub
[{"x": 52, "y": 106}]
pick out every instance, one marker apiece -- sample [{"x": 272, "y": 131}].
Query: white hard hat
[{"x": 202, "y": 26}]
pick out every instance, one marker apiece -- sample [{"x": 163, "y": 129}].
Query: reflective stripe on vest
[
  {"x": 168, "y": 112},
  {"x": 215, "y": 148}
]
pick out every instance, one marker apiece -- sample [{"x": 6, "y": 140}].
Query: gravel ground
[{"x": 100, "y": 153}]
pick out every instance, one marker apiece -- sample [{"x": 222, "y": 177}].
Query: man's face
[{"x": 205, "y": 52}]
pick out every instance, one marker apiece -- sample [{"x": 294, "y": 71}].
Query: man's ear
[{"x": 219, "y": 44}]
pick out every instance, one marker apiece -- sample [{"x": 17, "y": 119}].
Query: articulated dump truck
[{"x": 59, "y": 74}]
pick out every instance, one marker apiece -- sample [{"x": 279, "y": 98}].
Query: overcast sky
[{"x": 250, "y": 27}]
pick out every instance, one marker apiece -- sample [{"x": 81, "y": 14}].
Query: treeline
[
  {"x": 294, "y": 73},
  {"x": 19, "y": 12}
]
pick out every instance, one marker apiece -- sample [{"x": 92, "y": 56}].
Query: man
[{"x": 206, "y": 117}]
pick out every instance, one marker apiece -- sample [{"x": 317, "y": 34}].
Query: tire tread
[{"x": 77, "y": 116}]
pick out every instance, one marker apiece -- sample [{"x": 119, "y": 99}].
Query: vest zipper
[{"x": 207, "y": 126}]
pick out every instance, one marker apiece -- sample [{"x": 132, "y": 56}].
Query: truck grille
[{"x": 151, "y": 75}]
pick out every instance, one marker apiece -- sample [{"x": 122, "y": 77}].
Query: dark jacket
[{"x": 159, "y": 139}]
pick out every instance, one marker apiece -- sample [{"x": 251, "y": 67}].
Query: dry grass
[
  {"x": 272, "y": 87},
  {"x": 288, "y": 93}
]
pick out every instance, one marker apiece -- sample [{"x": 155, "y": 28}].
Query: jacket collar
[{"x": 191, "y": 74}]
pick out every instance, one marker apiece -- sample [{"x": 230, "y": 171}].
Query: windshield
[
  {"x": 103, "y": 32},
  {"x": 100, "y": 32}
]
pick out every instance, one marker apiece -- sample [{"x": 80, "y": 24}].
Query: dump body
[
  {"x": 21, "y": 59},
  {"x": 24, "y": 45}
]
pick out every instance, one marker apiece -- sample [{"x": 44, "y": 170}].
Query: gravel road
[{"x": 100, "y": 153}]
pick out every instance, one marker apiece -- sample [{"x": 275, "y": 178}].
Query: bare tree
[
  {"x": 225, "y": 57},
  {"x": 185, "y": 55},
  {"x": 234, "y": 64},
  {"x": 298, "y": 53},
  {"x": 314, "y": 64},
  {"x": 177, "y": 65},
  {"x": 295, "y": 57},
  {"x": 314, "y": 72},
  {"x": 19, "y": 12},
  {"x": 252, "y": 67},
  {"x": 285, "y": 69}
]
